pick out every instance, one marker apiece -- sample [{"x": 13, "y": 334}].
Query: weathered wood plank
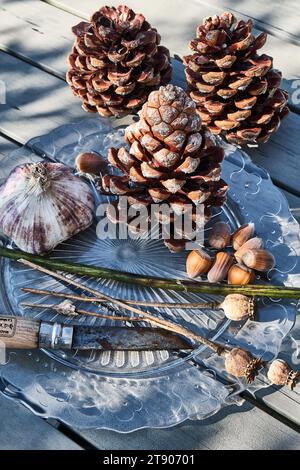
[
  {"x": 6, "y": 147},
  {"x": 280, "y": 18},
  {"x": 283, "y": 400},
  {"x": 42, "y": 33},
  {"x": 39, "y": 32},
  {"x": 232, "y": 428},
  {"x": 21, "y": 430},
  {"x": 15, "y": 419},
  {"x": 281, "y": 155},
  {"x": 35, "y": 100}
]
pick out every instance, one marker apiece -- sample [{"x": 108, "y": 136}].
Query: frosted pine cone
[
  {"x": 171, "y": 159},
  {"x": 116, "y": 61},
  {"x": 236, "y": 89}
]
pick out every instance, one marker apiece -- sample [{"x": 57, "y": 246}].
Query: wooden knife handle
[{"x": 19, "y": 333}]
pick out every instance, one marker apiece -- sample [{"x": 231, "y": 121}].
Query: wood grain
[
  {"x": 279, "y": 18},
  {"x": 6, "y": 147},
  {"x": 233, "y": 428},
  {"x": 294, "y": 203},
  {"x": 36, "y": 101},
  {"x": 19, "y": 333},
  {"x": 21, "y": 430}
]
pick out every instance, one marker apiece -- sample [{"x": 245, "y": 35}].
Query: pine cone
[
  {"x": 171, "y": 159},
  {"x": 236, "y": 90},
  {"x": 116, "y": 61}
]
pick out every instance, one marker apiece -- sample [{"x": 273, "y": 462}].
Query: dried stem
[
  {"x": 181, "y": 285},
  {"x": 141, "y": 303},
  {"x": 167, "y": 325},
  {"x": 82, "y": 312}
]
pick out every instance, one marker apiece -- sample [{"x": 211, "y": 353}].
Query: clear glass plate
[{"x": 125, "y": 391}]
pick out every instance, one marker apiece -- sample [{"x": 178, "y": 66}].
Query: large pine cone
[
  {"x": 236, "y": 90},
  {"x": 116, "y": 61},
  {"x": 171, "y": 159}
]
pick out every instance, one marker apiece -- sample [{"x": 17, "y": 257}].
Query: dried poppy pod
[
  {"x": 238, "y": 307},
  {"x": 172, "y": 160},
  {"x": 241, "y": 363},
  {"x": 116, "y": 61},
  {"x": 235, "y": 88},
  {"x": 280, "y": 373}
]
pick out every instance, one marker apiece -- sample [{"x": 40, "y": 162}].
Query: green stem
[{"x": 156, "y": 282}]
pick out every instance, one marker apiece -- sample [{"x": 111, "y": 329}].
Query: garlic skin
[{"x": 42, "y": 204}]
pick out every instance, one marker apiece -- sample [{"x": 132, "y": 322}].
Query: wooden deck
[{"x": 35, "y": 38}]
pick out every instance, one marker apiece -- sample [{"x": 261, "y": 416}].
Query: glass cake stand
[{"x": 126, "y": 391}]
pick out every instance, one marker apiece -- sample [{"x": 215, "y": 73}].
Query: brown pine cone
[
  {"x": 171, "y": 159},
  {"x": 116, "y": 61},
  {"x": 236, "y": 90}
]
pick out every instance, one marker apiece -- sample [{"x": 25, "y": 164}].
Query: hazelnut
[
  {"x": 90, "y": 163},
  {"x": 260, "y": 260},
  {"x": 220, "y": 268},
  {"x": 242, "y": 234},
  {"x": 241, "y": 275},
  {"x": 252, "y": 244},
  {"x": 219, "y": 236},
  {"x": 198, "y": 262}
]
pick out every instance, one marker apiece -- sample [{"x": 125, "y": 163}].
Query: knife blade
[{"x": 21, "y": 333}]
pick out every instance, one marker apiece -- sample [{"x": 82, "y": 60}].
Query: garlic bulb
[{"x": 42, "y": 204}]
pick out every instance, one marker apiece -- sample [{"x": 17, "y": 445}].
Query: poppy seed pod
[
  {"x": 241, "y": 363},
  {"x": 280, "y": 373}
]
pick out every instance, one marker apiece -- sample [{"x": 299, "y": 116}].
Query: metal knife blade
[
  {"x": 127, "y": 339},
  {"x": 27, "y": 333}
]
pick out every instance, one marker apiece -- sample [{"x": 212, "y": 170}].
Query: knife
[{"x": 21, "y": 333}]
